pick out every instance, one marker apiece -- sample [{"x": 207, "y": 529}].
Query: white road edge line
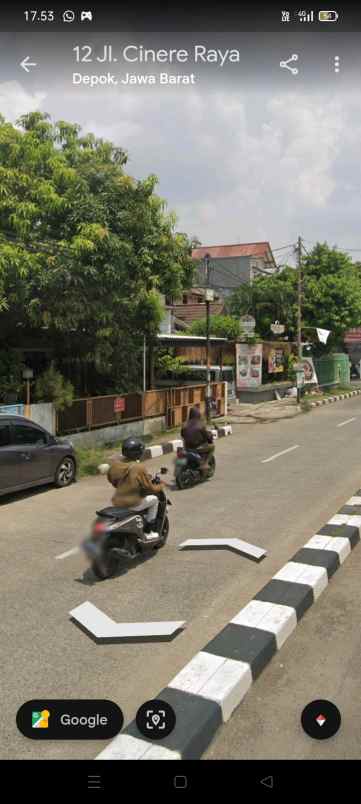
[
  {"x": 346, "y": 422},
  {"x": 278, "y": 454},
  {"x": 68, "y": 553}
]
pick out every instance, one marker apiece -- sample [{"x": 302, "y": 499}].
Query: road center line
[
  {"x": 278, "y": 454},
  {"x": 68, "y": 553},
  {"x": 346, "y": 422}
]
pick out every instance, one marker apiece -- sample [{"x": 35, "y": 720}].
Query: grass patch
[
  {"x": 335, "y": 390},
  {"x": 89, "y": 458}
]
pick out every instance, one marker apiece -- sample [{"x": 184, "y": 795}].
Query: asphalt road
[{"x": 277, "y": 504}]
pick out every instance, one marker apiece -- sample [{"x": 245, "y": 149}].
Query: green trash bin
[{"x": 333, "y": 369}]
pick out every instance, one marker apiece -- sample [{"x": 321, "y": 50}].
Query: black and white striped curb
[
  {"x": 334, "y": 398},
  {"x": 210, "y": 687},
  {"x": 171, "y": 446}
]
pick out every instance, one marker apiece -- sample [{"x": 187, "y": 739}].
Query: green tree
[
  {"x": 166, "y": 363},
  {"x": 84, "y": 247},
  {"x": 221, "y": 326},
  {"x": 51, "y": 386},
  {"x": 11, "y": 375},
  {"x": 331, "y": 296}
]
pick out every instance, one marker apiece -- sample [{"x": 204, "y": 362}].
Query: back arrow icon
[
  {"x": 26, "y": 64},
  {"x": 268, "y": 782}
]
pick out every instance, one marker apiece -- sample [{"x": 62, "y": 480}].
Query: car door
[
  {"x": 10, "y": 460},
  {"x": 32, "y": 443}
]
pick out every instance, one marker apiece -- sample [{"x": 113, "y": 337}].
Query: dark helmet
[
  {"x": 133, "y": 448},
  {"x": 195, "y": 413}
]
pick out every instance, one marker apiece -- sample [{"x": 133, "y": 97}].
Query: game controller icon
[{"x": 86, "y": 15}]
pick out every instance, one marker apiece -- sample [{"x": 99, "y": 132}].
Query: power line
[{"x": 281, "y": 248}]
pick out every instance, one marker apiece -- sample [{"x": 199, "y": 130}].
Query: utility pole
[
  {"x": 208, "y": 295},
  {"x": 299, "y": 309},
  {"x": 299, "y": 298},
  {"x": 144, "y": 364}
]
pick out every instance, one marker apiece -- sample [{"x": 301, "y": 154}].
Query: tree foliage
[
  {"x": 168, "y": 363},
  {"x": 11, "y": 374},
  {"x": 220, "y": 326},
  {"x": 85, "y": 248},
  {"x": 331, "y": 297},
  {"x": 51, "y": 386}
]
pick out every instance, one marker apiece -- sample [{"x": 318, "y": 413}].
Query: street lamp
[{"x": 28, "y": 375}]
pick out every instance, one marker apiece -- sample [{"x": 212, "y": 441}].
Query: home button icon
[{"x": 180, "y": 782}]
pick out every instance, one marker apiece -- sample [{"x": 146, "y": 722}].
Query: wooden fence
[{"x": 172, "y": 403}]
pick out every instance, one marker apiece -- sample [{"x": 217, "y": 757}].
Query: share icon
[{"x": 285, "y": 64}]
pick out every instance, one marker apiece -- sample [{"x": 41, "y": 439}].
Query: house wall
[
  {"x": 43, "y": 413},
  {"x": 227, "y": 273}
]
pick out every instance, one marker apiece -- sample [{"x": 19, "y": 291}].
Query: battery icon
[{"x": 328, "y": 16}]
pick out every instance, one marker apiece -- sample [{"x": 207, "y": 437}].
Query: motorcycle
[
  {"x": 187, "y": 468},
  {"x": 117, "y": 535}
]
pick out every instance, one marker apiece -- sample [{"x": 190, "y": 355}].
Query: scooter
[
  {"x": 117, "y": 535},
  {"x": 187, "y": 468}
]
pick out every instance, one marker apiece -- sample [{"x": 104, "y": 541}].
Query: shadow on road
[
  {"x": 16, "y": 496},
  {"x": 89, "y": 578}
]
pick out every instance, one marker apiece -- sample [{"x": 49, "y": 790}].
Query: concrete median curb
[
  {"x": 157, "y": 450},
  {"x": 335, "y": 398},
  {"x": 205, "y": 693}
]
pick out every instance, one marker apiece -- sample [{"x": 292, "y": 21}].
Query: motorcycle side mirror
[{"x": 164, "y": 470}]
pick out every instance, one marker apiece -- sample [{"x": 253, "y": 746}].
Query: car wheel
[{"x": 65, "y": 473}]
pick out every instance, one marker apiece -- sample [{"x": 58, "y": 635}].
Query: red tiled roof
[
  {"x": 353, "y": 335},
  {"x": 193, "y": 312},
  {"x": 262, "y": 249}
]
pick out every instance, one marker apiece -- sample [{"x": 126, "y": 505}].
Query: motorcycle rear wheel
[
  {"x": 185, "y": 479},
  {"x": 108, "y": 565}
]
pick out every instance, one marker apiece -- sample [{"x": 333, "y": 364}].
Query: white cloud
[
  {"x": 232, "y": 164},
  {"x": 16, "y": 101}
]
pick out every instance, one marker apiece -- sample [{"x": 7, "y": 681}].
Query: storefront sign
[
  {"x": 249, "y": 365},
  {"x": 277, "y": 328},
  {"x": 276, "y": 361},
  {"x": 309, "y": 370},
  {"x": 119, "y": 404},
  {"x": 248, "y": 324}
]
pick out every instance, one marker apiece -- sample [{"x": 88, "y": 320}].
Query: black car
[{"x": 30, "y": 456}]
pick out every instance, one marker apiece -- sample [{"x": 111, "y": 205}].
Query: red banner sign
[{"x": 119, "y": 404}]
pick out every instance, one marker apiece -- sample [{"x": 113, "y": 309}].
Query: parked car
[{"x": 30, "y": 456}]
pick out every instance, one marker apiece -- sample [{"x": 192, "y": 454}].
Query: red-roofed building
[{"x": 231, "y": 265}]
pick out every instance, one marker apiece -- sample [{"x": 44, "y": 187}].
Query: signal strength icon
[{"x": 306, "y": 16}]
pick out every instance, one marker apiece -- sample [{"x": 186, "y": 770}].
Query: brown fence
[{"x": 172, "y": 403}]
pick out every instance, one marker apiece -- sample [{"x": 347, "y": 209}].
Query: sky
[{"x": 236, "y": 161}]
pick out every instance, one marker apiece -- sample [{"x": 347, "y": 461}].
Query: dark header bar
[{"x": 158, "y": 16}]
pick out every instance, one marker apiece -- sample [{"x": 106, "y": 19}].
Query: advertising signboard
[{"x": 249, "y": 365}]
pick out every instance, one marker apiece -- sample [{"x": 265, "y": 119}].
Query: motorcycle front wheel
[
  {"x": 211, "y": 466},
  {"x": 165, "y": 534}
]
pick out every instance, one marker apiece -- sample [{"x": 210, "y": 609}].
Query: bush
[{"x": 51, "y": 386}]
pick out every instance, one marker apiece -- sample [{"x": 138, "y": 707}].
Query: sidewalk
[{"x": 248, "y": 413}]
